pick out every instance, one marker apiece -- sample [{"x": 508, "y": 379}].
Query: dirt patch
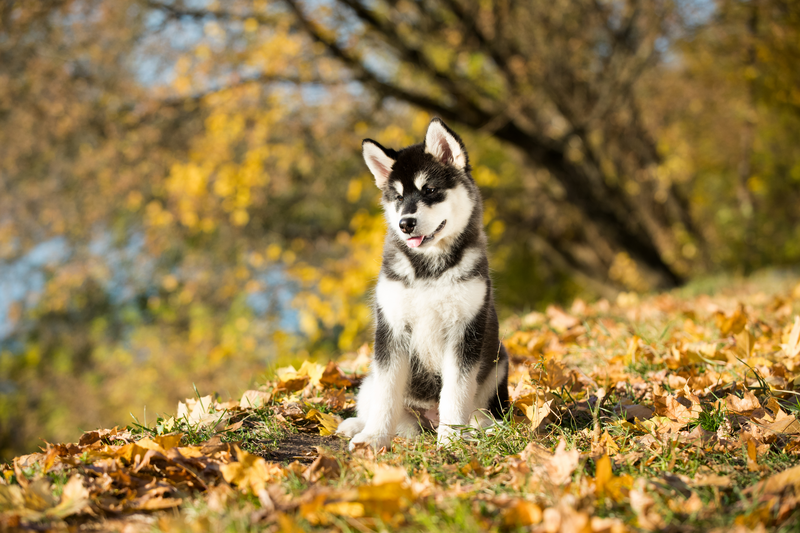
[{"x": 303, "y": 447}]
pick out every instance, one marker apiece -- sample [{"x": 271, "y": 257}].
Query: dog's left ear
[
  {"x": 443, "y": 144},
  {"x": 379, "y": 160}
]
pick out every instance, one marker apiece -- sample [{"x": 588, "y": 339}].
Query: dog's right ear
[{"x": 378, "y": 160}]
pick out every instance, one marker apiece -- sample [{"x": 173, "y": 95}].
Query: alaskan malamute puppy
[{"x": 436, "y": 338}]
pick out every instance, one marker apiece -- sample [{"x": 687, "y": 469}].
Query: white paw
[
  {"x": 447, "y": 435},
  {"x": 408, "y": 428},
  {"x": 481, "y": 419},
  {"x": 351, "y": 427},
  {"x": 376, "y": 442}
]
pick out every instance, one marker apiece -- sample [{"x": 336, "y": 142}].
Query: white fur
[
  {"x": 456, "y": 209},
  {"x": 378, "y": 162},
  {"x": 438, "y": 312},
  {"x": 380, "y": 404},
  {"x": 402, "y": 266},
  {"x": 457, "y": 399},
  {"x": 427, "y": 317},
  {"x": 420, "y": 180},
  {"x": 443, "y": 146}
]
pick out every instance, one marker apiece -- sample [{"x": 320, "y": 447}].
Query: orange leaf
[{"x": 733, "y": 323}]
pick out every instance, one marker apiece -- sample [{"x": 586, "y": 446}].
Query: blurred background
[{"x": 183, "y": 200}]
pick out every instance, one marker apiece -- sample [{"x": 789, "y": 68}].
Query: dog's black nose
[{"x": 407, "y": 225}]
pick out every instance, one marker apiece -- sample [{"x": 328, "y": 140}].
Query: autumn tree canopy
[{"x": 182, "y": 197}]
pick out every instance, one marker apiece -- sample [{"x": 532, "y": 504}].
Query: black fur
[{"x": 481, "y": 344}]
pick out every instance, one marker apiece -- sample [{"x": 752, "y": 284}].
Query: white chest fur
[{"x": 435, "y": 312}]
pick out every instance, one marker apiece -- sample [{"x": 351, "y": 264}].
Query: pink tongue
[{"x": 413, "y": 242}]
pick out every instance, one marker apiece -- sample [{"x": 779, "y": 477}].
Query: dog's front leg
[
  {"x": 390, "y": 370},
  {"x": 459, "y": 385}
]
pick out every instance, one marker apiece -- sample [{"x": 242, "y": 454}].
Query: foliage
[{"x": 669, "y": 412}]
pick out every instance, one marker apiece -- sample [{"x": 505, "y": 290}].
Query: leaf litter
[{"x": 654, "y": 414}]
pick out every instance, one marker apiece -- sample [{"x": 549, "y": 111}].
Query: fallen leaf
[
  {"x": 74, "y": 499},
  {"x": 744, "y": 344},
  {"x": 328, "y": 423},
  {"x": 777, "y": 483},
  {"x": 634, "y": 411},
  {"x": 333, "y": 376},
  {"x": 253, "y": 399},
  {"x": 324, "y": 466},
  {"x": 742, "y": 406},
  {"x": 522, "y": 513},
  {"x": 752, "y": 458},
  {"x": 732, "y": 323},
  {"x": 559, "y": 320},
  {"x": 792, "y": 346},
  {"x": 250, "y": 472}
]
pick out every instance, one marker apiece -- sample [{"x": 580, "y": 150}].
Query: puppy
[{"x": 436, "y": 338}]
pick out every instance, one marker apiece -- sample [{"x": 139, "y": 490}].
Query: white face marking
[
  {"x": 420, "y": 180},
  {"x": 456, "y": 209},
  {"x": 398, "y": 187}
]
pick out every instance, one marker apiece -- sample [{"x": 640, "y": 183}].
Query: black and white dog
[{"x": 436, "y": 339}]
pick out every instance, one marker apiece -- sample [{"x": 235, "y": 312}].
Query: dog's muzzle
[{"x": 419, "y": 240}]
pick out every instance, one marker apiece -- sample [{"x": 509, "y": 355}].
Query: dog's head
[{"x": 427, "y": 192}]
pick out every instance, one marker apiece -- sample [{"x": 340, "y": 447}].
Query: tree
[{"x": 557, "y": 80}]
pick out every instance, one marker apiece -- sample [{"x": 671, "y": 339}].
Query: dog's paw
[
  {"x": 351, "y": 427},
  {"x": 408, "y": 430},
  {"x": 376, "y": 442},
  {"x": 446, "y": 436}
]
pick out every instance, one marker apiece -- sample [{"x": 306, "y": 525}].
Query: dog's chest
[{"x": 430, "y": 317}]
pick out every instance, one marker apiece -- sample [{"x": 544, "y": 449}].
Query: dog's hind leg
[{"x": 409, "y": 426}]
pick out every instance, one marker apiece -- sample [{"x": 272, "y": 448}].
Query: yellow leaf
[
  {"x": 607, "y": 443},
  {"x": 522, "y": 513},
  {"x": 328, "y": 423},
  {"x": 349, "y": 509},
  {"x": 792, "y": 347},
  {"x": 389, "y": 474},
  {"x": 313, "y": 370},
  {"x": 603, "y": 474},
  {"x": 776, "y": 483},
  {"x": 253, "y": 399},
  {"x": 733, "y": 323},
  {"x": 74, "y": 498},
  {"x": 744, "y": 343},
  {"x": 167, "y": 442},
  {"x": 250, "y": 472}
]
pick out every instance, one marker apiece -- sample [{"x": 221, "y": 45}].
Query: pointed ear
[
  {"x": 443, "y": 144},
  {"x": 378, "y": 160}
]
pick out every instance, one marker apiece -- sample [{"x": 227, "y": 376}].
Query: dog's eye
[
  {"x": 398, "y": 198},
  {"x": 429, "y": 190}
]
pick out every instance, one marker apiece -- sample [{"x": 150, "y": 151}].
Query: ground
[{"x": 668, "y": 412}]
